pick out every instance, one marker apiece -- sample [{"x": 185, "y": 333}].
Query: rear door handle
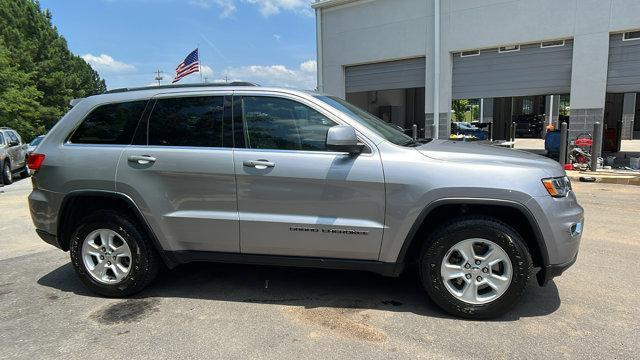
[
  {"x": 141, "y": 159},
  {"x": 258, "y": 164}
]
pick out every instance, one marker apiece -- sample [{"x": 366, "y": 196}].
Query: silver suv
[
  {"x": 137, "y": 178},
  {"x": 12, "y": 155}
]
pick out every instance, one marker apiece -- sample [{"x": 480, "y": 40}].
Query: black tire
[
  {"x": 464, "y": 228},
  {"x": 145, "y": 262},
  {"x": 7, "y": 176},
  {"x": 24, "y": 172}
]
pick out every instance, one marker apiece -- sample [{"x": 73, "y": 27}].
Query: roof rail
[
  {"x": 74, "y": 102},
  {"x": 177, "y": 86}
]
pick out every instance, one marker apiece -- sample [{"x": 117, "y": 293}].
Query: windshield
[{"x": 387, "y": 131}]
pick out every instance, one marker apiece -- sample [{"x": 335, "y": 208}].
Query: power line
[{"x": 159, "y": 77}]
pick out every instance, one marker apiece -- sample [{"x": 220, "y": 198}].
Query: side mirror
[
  {"x": 343, "y": 138},
  {"x": 14, "y": 143}
]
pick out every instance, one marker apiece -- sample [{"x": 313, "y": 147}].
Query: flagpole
[{"x": 199, "y": 63}]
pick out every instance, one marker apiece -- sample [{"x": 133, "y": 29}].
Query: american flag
[{"x": 190, "y": 65}]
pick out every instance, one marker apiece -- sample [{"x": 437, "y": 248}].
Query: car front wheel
[
  {"x": 111, "y": 256},
  {"x": 7, "y": 176},
  {"x": 475, "y": 267}
]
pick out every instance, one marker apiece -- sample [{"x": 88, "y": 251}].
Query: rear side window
[
  {"x": 112, "y": 124},
  {"x": 283, "y": 124},
  {"x": 1, "y": 139},
  {"x": 188, "y": 121}
]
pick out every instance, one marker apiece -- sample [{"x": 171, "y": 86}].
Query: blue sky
[{"x": 271, "y": 42}]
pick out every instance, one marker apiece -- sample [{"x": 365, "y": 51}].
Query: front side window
[
  {"x": 12, "y": 136},
  {"x": 111, "y": 124},
  {"x": 371, "y": 122},
  {"x": 187, "y": 121},
  {"x": 283, "y": 124}
]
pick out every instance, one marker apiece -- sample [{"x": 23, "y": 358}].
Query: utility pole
[{"x": 158, "y": 77}]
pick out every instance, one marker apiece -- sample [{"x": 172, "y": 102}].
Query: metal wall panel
[
  {"x": 623, "y": 74},
  {"x": 388, "y": 75},
  {"x": 532, "y": 70}
]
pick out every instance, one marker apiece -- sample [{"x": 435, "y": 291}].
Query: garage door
[
  {"x": 532, "y": 70},
  {"x": 388, "y": 75},
  {"x": 624, "y": 65}
]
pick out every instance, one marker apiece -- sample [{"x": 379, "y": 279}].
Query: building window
[
  {"x": 510, "y": 48},
  {"x": 470, "y": 53},
  {"x": 631, "y": 35},
  {"x": 554, "y": 43}
]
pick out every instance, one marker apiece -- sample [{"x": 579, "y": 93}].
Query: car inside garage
[
  {"x": 526, "y": 84},
  {"x": 622, "y": 108}
]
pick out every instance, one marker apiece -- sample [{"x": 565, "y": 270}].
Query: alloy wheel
[
  {"x": 476, "y": 271},
  {"x": 106, "y": 256}
]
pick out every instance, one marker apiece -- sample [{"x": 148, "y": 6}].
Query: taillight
[{"x": 34, "y": 161}]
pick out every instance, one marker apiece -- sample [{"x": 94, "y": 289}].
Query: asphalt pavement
[{"x": 239, "y": 311}]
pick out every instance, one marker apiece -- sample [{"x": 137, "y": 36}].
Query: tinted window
[
  {"x": 187, "y": 121},
  {"x": 380, "y": 127},
  {"x": 110, "y": 124},
  {"x": 274, "y": 123},
  {"x": 12, "y": 136}
]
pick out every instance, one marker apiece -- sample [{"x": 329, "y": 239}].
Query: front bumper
[
  {"x": 550, "y": 271},
  {"x": 561, "y": 222}
]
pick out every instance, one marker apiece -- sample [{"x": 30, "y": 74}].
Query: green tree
[
  {"x": 460, "y": 107},
  {"x": 38, "y": 73},
  {"x": 475, "y": 112}
]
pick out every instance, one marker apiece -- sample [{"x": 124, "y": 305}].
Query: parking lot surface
[{"x": 237, "y": 311}]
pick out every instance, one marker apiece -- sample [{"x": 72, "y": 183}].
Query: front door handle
[
  {"x": 141, "y": 159},
  {"x": 259, "y": 164}
]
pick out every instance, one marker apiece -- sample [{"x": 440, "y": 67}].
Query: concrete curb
[{"x": 606, "y": 178}]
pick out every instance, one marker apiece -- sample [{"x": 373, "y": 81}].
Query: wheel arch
[
  {"x": 78, "y": 204},
  {"x": 433, "y": 215}
]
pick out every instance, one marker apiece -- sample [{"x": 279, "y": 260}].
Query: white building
[{"x": 520, "y": 57}]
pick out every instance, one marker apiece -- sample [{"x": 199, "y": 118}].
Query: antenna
[{"x": 158, "y": 77}]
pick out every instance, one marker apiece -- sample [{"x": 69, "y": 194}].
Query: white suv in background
[{"x": 13, "y": 154}]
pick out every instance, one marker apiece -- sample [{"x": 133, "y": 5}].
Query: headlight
[{"x": 557, "y": 187}]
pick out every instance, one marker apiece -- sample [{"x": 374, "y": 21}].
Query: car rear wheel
[
  {"x": 7, "y": 176},
  {"x": 475, "y": 267},
  {"x": 111, "y": 256}
]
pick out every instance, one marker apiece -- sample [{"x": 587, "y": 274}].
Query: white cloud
[
  {"x": 276, "y": 75},
  {"x": 309, "y": 66},
  {"x": 106, "y": 64},
  {"x": 266, "y": 7},
  {"x": 228, "y": 7},
  {"x": 206, "y": 71}
]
